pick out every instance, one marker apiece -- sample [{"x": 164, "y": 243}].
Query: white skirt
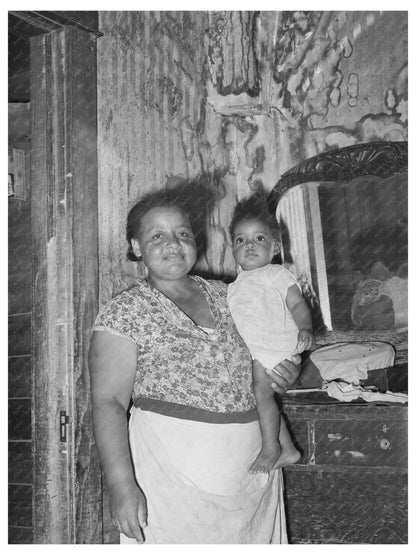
[{"x": 197, "y": 485}]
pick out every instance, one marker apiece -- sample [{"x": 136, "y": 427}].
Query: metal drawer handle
[{"x": 385, "y": 444}]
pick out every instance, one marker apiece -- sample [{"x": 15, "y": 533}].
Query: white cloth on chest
[{"x": 352, "y": 361}]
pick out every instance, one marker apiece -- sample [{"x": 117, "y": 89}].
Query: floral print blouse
[{"x": 183, "y": 370}]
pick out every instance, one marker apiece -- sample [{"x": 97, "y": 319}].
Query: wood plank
[
  {"x": 345, "y": 411},
  {"x": 44, "y": 21},
  {"x": 20, "y": 535},
  {"x": 49, "y": 456},
  {"x": 18, "y": 232},
  {"x": 20, "y": 291},
  {"x": 64, "y": 224},
  {"x": 20, "y": 506},
  {"x": 20, "y": 462},
  {"x": 20, "y": 376},
  {"x": 19, "y": 339},
  {"x": 88, "y": 498},
  {"x": 20, "y": 419}
]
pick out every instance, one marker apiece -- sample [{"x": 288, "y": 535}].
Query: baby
[{"x": 271, "y": 316}]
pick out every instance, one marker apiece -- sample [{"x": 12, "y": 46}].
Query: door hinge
[{"x": 63, "y": 423}]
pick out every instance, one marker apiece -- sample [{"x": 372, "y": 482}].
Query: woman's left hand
[{"x": 284, "y": 374}]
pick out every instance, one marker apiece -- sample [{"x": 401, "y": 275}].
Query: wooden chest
[{"x": 350, "y": 485}]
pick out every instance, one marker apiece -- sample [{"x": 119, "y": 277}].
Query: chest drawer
[
  {"x": 361, "y": 443},
  {"x": 349, "y": 435},
  {"x": 350, "y": 485}
]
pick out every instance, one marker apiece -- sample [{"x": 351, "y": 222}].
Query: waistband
[{"x": 185, "y": 412}]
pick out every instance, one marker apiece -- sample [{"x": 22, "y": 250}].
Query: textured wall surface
[
  {"x": 150, "y": 109},
  {"x": 342, "y": 77},
  {"x": 238, "y": 97}
]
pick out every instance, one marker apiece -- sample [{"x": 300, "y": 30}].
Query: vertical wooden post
[{"x": 67, "y": 482}]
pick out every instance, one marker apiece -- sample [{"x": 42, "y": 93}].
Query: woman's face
[{"x": 166, "y": 243}]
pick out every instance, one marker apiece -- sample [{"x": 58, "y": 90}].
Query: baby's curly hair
[{"x": 254, "y": 207}]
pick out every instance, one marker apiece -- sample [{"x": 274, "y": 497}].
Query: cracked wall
[{"x": 238, "y": 97}]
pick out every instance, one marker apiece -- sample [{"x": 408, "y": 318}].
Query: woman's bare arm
[{"x": 112, "y": 363}]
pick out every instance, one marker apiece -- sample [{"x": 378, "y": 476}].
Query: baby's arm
[{"x": 302, "y": 317}]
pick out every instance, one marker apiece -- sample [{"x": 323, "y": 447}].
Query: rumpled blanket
[{"x": 347, "y": 392}]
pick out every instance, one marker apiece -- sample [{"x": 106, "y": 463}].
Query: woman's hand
[
  {"x": 284, "y": 374},
  {"x": 129, "y": 511}
]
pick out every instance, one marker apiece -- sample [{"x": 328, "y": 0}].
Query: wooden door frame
[{"x": 67, "y": 493}]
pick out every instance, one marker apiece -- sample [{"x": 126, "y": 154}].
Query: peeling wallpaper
[{"x": 238, "y": 97}]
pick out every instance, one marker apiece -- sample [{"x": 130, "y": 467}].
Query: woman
[{"x": 170, "y": 345}]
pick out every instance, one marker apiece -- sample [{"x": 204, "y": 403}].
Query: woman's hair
[
  {"x": 254, "y": 208},
  {"x": 192, "y": 198}
]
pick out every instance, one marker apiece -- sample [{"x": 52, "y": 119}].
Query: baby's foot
[
  {"x": 288, "y": 455},
  {"x": 267, "y": 458}
]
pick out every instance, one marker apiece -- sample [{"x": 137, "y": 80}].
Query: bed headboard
[{"x": 343, "y": 216}]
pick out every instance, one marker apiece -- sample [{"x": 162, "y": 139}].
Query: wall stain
[
  {"x": 352, "y": 90},
  {"x": 238, "y": 97}
]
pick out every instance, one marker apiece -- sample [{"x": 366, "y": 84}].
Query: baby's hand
[{"x": 306, "y": 341}]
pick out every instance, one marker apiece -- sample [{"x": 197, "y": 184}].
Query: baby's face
[{"x": 253, "y": 244}]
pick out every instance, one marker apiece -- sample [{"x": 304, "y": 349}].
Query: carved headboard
[
  {"x": 380, "y": 158},
  {"x": 343, "y": 215}
]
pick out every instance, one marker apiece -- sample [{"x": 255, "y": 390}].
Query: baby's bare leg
[
  {"x": 289, "y": 453},
  {"x": 269, "y": 421},
  {"x": 277, "y": 448}
]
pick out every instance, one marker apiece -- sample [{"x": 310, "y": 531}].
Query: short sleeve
[
  {"x": 116, "y": 317},
  {"x": 282, "y": 279}
]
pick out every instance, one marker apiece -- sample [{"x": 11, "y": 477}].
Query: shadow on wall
[{"x": 198, "y": 198}]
